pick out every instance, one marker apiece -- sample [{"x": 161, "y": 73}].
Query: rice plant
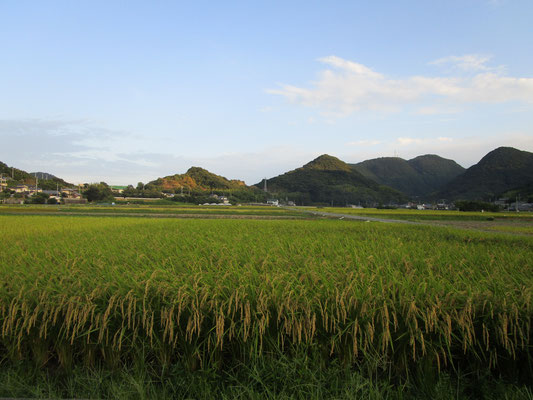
[{"x": 212, "y": 293}]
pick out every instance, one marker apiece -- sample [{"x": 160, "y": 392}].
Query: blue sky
[{"x": 127, "y": 91}]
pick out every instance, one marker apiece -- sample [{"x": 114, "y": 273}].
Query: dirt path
[
  {"x": 482, "y": 226},
  {"x": 362, "y": 217}
]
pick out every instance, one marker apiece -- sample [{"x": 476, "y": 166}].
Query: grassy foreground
[{"x": 319, "y": 308}]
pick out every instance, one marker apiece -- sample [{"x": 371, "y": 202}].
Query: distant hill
[
  {"x": 46, "y": 180},
  {"x": 43, "y": 175},
  {"x": 196, "y": 178},
  {"x": 328, "y": 179},
  {"x": 15, "y": 173},
  {"x": 418, "y": 177},
  {"x": 500, "y": 171}
]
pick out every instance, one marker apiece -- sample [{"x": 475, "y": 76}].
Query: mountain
[
  {"x": 196, "y": 178},
  {"x": 500, "y": 171},
  {"x": 17, "y": 174},
  {"x": 329, "y": 180},
  {"x": 43, "y": 175},
  {"x": 418, "y": 177},
  {"x": 46, "y": 181}
]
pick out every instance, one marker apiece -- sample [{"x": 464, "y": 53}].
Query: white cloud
[
  {"x": 466, "y": 150},
  {"x": 468, "y": 62},
  {"x": 79, "y": 151},
  {"x": 406, "y": 141},
  {"x": 348, "y": 87},
  {"x": 435, "y": 111},
  {"x": 444, "y": 139}
]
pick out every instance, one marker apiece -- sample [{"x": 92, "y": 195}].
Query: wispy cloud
[
  {"x": 80, "y": 151},
  {"x": 468, "y": 62},
  {"x": 466, "y": 150},
  {"x": 347, "y": 87}
]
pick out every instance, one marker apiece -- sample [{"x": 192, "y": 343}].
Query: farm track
[{"x": 481, "y": 226}]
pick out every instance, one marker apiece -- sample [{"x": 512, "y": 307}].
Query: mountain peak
[
  {"x": 197, "y": 178},
  {"x": 501, "y": 170},
  {"x": 504, "y": 155},
  {"x": 325, "y": 162},
  {"x": 193, "y": 170}
]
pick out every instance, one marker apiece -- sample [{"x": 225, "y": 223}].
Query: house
[
  {"x": 70, "y": 193},
  {"x": 224, "y": 199},
  {"x": 33, "y": 189},
  {"x": 441, "y": 206},
  {"x": 20, "y": 188},
  {"x": 118, "y": 189},
  {"x": 26, "y": 189},
  {"x": 502, "y": 202},
  {"x": 53, "y": 194}
]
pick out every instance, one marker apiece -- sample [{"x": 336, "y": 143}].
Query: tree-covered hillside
[
  {"x": 500, "y": 171},
  {"x": 196, "y": 178},
  {"x": 17, "y": 176},
  {"x": 418, "y": 177},
  {"x": 197, "y": 183},
  {"x": 328, "y": 180}
]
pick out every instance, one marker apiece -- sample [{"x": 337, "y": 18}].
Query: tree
[
  {"x": 130, "y": 191},
  {"x": 476, "y": 206},
  {"x": 99, "y": 192},
  {"x": 39, "y": 198}
]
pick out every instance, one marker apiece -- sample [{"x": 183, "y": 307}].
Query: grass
[
  {"x": 154, "y": 210},
  {"x": 513, "y": 229},
  {"x": 280, "y": 379},
  {"x": 384, "y": 303}
]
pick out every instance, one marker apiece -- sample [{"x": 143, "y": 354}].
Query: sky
[{"x": 128, "y": 91}]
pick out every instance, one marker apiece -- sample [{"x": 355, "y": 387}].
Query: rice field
[
  {"x": 150, "y": 210},
  {"x": 212, "y": 294}
]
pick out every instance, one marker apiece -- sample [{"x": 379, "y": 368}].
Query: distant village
[
  {"x": 33, "y": 194},
  {"x": 12, "y": 192}
]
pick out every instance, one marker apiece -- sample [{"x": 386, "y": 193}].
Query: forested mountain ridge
[
  {"x": 196, "y": 178},
  {"x": 328, "y": 180},
  {"x": 500, "y": 171},
  {"x": 418, "y": 177},
  {"x": 17, "y": 176}
]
